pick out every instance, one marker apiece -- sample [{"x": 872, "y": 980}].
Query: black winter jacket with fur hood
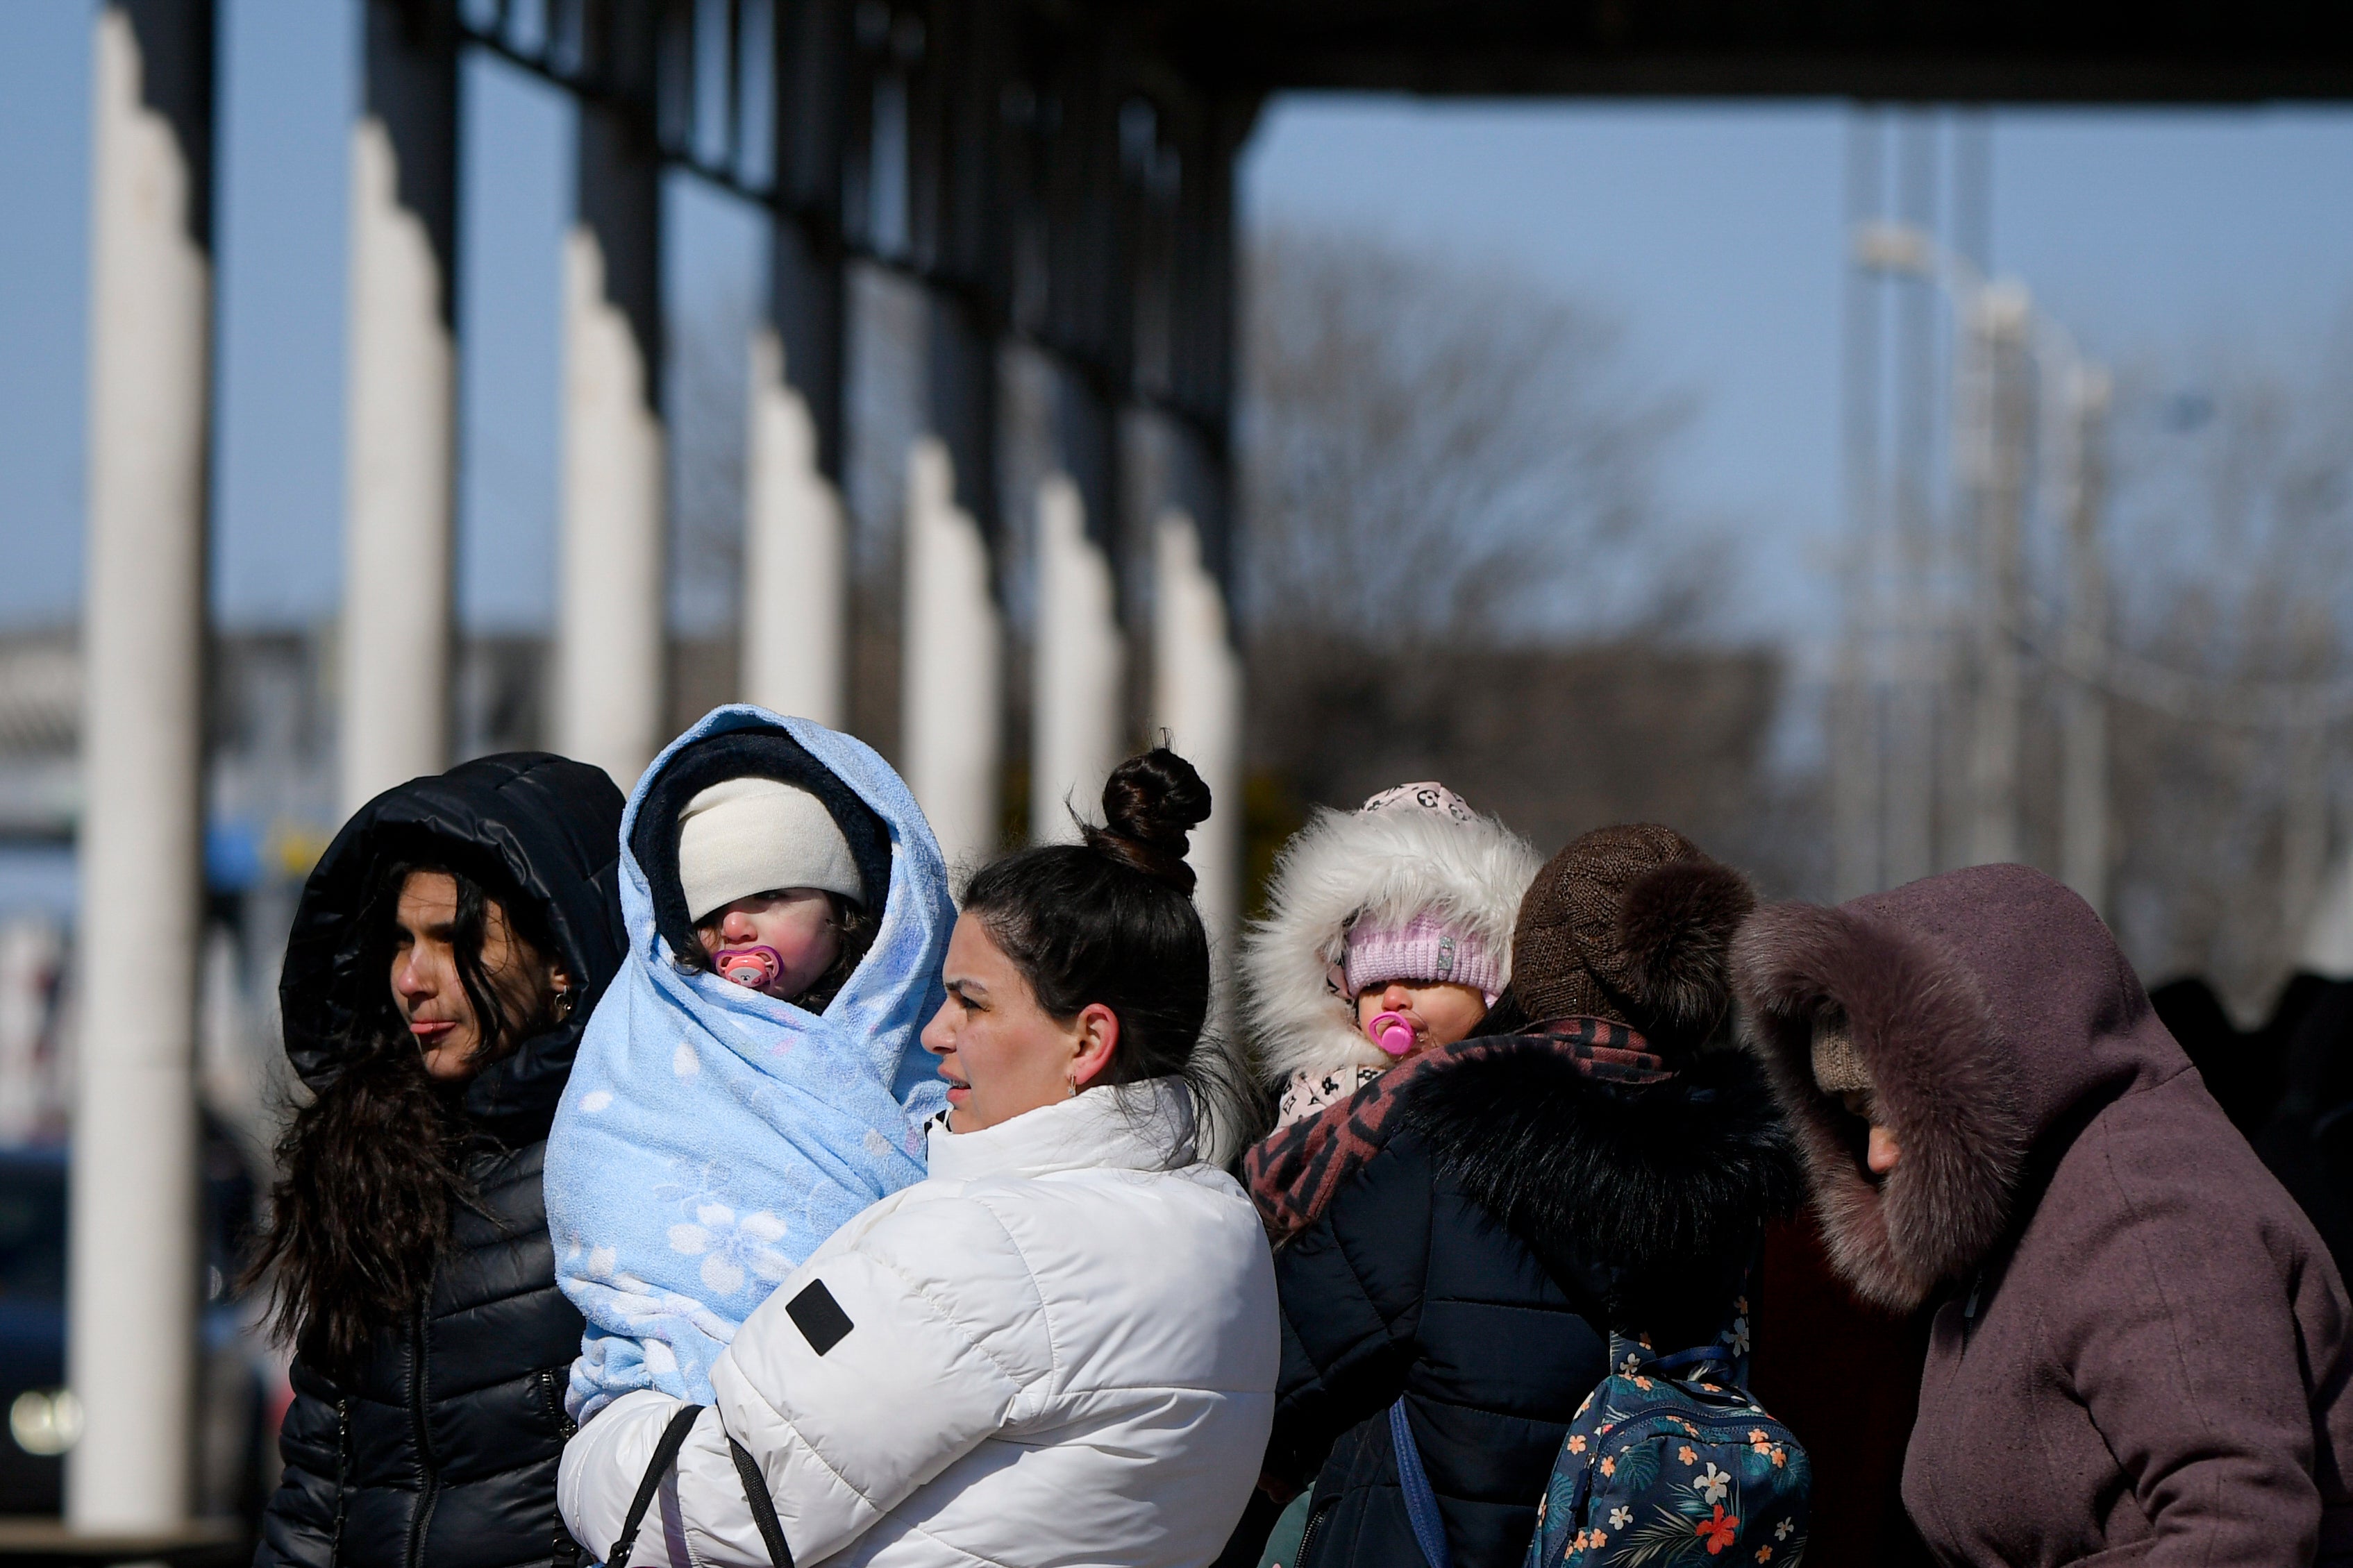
[{"x": 1514, "y": 1210}]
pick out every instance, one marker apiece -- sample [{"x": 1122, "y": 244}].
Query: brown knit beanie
[{"x": 1631, "y": 924}]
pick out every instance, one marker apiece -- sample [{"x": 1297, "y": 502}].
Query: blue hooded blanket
[{"x": 712, "y": 1137}]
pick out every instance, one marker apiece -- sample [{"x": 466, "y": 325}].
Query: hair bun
[{"x": 1151, "y": 803}]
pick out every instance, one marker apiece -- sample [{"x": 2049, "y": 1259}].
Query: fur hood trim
[
  {"x": 1382, "y": 866},
  {"x": 1920, "y": 1021},
  {"x": 1655, "y": 1195}
]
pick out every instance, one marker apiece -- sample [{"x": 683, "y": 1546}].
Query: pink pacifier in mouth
[
  {"x": 1391, "y": 1033},
  {"x": 756, "y": 967}
]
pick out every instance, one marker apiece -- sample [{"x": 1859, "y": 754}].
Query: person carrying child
[
  {"x": 1389, "y": 933},
  {"x": 1456, "y": 1241},
  {"x": 753, "y": 1078}
]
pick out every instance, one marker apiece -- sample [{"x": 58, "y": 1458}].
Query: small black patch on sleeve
[{"x": 818, "y": 1317}]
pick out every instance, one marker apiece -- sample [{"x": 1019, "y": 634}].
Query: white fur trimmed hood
[{"x": 1383, "y": 866}]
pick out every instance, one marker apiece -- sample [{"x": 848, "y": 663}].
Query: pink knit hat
[{"x": 1426, "y": 949}]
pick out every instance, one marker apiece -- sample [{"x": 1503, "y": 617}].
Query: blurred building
[{"x": 271, "y": 809}]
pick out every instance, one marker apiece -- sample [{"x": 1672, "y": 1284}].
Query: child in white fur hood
[{"x": 1388, "y": 932}]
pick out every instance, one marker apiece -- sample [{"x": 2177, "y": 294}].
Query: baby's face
[
  {"x": 797, "y": 922},
  {"x": 1439, "y": 1012}
]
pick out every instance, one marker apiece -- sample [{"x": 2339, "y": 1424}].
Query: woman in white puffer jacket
[{"x": 1060, "y": 1348}]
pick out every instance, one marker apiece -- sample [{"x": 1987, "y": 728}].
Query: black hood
[
  {"x": 541, "y": 829},
  {"x": 762, "y": 751}
]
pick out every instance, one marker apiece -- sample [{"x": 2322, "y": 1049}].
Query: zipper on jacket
[
  {"x": 564, "y": 1425},
  {"x": 431, "y": 1486},
  {"x": 342, "y": 1479},
  {"x": 1316, "y": 1514}
]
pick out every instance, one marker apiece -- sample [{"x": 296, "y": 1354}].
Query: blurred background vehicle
[{"x": 243, "y": 1380}]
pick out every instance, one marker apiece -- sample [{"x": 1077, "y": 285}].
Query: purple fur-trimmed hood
[
  {"x": 2143, "y": 1353},
  {"x": 1993, "y": 1011}
]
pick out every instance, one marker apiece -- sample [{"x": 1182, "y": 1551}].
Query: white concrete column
[
  {"x": 951, "y": 661},
  {"x": 401, "y": 439},
  {"x": 131, "y": 1292},
  {"x": 610, "y": 644},
  {"x": 1197, "y": 697},
  {"x": 1079, "y": 674},
  {"x": 796, "y": 555}
]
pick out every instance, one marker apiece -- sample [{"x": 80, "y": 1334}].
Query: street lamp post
[
  {"x": 2006, "y": 353},
  {"x": 2084, "y": 741},
  {"x": 1999, "y": 327}
]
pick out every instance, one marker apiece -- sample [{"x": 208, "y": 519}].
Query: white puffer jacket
[{"x": 1059, "y": 1348}]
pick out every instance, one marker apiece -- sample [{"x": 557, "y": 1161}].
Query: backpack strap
[
  {"x": 1421, "y": 1502},
  {"x": 764, "y": 1506},
  {"x": 673, "y": 1438}
]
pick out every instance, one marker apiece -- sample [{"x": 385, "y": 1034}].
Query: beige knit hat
[
  {"x": 748, "y": 835},
  {"x": 1837, "y": 1067}
]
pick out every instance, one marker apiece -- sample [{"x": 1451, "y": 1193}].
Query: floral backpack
[{"x": 1670, "y": 1462}]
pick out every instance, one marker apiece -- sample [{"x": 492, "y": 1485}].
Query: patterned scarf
[{"x": 1293, "y": 1173}]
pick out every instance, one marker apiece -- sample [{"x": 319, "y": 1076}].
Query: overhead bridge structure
[{"x": 1055, "y": 174}]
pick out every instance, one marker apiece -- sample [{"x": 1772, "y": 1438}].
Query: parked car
[{"x": 236, "y": 1427}]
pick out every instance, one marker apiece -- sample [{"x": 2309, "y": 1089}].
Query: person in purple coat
[{"x": 2142, "y": 1347}]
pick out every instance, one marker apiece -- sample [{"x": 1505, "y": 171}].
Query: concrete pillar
[
  {"x": 1078, "y": 729},
  {"x": 610, "y": 619},
  {"x": 952, "y": 703},
  {"x": 795, "y": 656},
  {"x": 133, "y": 1286},
  {"x": 951, "y": 661},
  {"x": 1197, "y": 697},
  {"x": 402, "y": 431}
]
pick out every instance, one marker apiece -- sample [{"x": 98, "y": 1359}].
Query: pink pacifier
[
  {"x": 756, "y": 967},
  {"x": 1391, "y": 1033}
]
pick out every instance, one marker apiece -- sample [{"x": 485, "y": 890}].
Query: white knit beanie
[{"x": 745, "y": 836}]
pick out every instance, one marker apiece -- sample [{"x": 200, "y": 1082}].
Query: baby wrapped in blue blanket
[{"x": 718, "y": 1127}]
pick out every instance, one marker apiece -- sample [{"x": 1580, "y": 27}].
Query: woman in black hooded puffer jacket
[
  {"x": 1462, "y": 1236},
  {"x": 445, "y": 955}
]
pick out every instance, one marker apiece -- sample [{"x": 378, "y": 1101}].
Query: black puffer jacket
[
  {"x": 1500, "y": 1218},
  {"x": 441, "y": 1451}
]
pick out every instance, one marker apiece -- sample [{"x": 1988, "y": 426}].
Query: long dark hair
[
  {"x": 1111, "y": 919},
  {"x": 373, "y": 1170}
]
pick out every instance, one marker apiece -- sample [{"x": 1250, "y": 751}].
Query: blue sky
[{"x": 1712, "y": 232}]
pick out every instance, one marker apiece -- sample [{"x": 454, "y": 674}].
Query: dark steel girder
[
  {"x": 1061, "y": 183},
  {"x": 1986, "y": 52},
  {"x": 1062, "y": 171}
]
